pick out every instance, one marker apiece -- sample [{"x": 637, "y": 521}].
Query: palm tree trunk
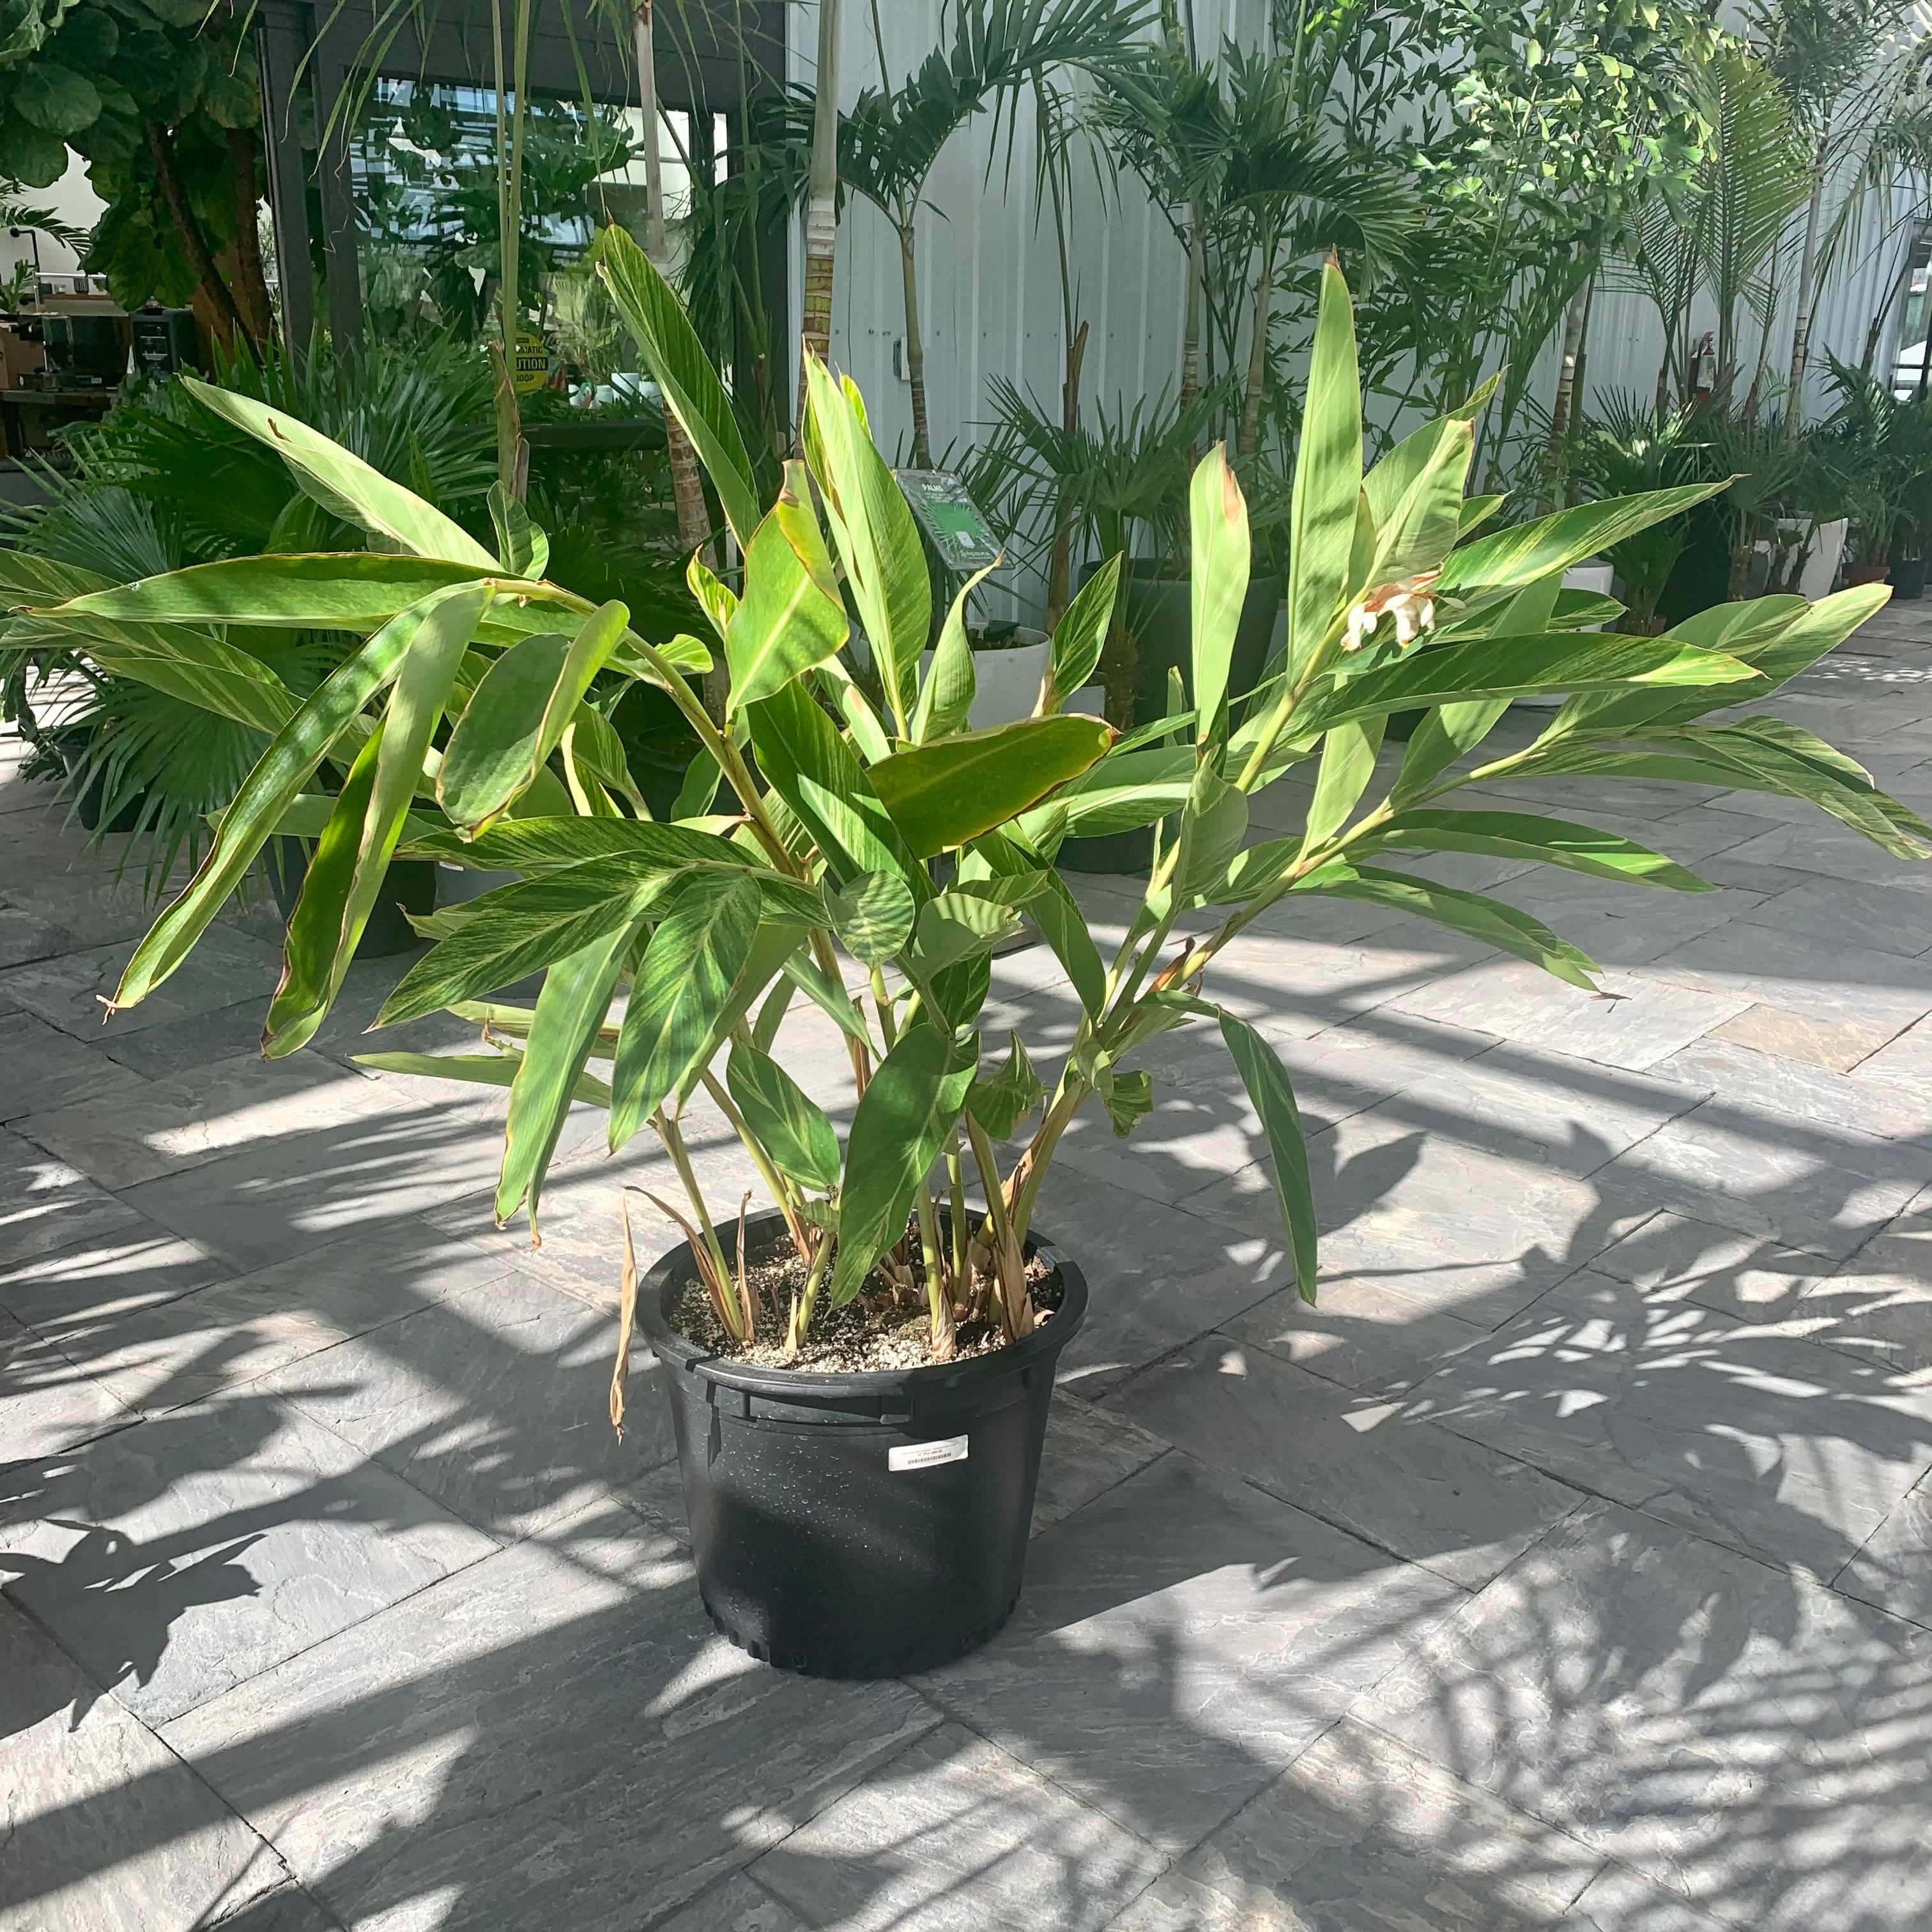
[
  {"x": 1190, "y": 340},
  {"x": 694, "y": 517},
  {"x": 1560, "y": 409},
  {"x": 915, "y": 348},
  {"x": 1251, "y": 408},
  {"x": 821, "y": 205},
  {"x": 1808, "y": 265},
  {"x": 1060, "y": 566}
]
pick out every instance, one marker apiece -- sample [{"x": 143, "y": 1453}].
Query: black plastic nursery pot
[
  {"x": 865, "y": 1525},
  {"x": 408, "y": 886},
  {"x": 1160, "y": 614}
]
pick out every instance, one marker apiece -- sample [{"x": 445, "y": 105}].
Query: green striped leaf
[
  {"x": 1327, "y": 477},
  {"x": 787, "y": 1122},
  {"x": 343, "y": 484},
  {"x": 902, "y": 1120},
  {"x": 1552, "y": 842},
  {"x": 942, "y": 794},
  {"x": 789, "y": 617},
  {"x": 1274, "y": 1097}
]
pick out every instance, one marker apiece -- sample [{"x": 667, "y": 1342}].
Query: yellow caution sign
[{"x": 533, "y": 364}]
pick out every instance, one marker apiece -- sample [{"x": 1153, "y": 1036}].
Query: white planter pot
[
  {"x": 1821, "y": 567},
  {"x": 1597, "y": 578},
  {"x": 1005, "y": 682}
]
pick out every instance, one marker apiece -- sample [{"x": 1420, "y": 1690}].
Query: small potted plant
[{"x": 860, "y": 1375}]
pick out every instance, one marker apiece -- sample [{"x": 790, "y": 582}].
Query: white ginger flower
[{"x": 1408, "y": 604}]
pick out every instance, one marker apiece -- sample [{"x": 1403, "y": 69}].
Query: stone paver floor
[{"x": 1570, "y": 1565}]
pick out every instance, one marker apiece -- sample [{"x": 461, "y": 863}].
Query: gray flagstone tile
[
  {"x": 1878, "y": 1305},
  {"x": 1769, "y": 1444},
  {"x": 1825, "y": 1189},
  {"x": 26, "y": 935},
  {"x": 1838, "y": 1045},
  {"x": 68, "y": 991},
  {"x": 288, "y": 1909},
  {"x": 1617, "y": 1901},
  {"x": 106, "y": 1830},
  {"x": 952, "y": 1836},
  {"x": 737, "y": 1905},
  {"x": 551, "y": 1737},
  {"x": 1822, "y": 845},
  {"x": 1153, "y": 1280},
  {"x": 495, "y": 1400},
  {"x": 1674, "y": 1257},
  {"x": 1360, "y": 1834},
  {"x": 1179, "y": 1641},
  {"x": 1642, "y": 1021},
  {"x": 1462, "y": 1511},
  {"x": 1088, "y": 1450},
  {"x": 1458, "y": 1229},
  {"x": 188, "y": 1349},
  {"x": 46, "y": 1206},
  {"x": 1373, "y": 1335},
  {"x": 47, "y": 1404},
  {"x": 169, "y": 1127},
  {"x": 1802, "y": 973},
  {"x": 1744, "y": 1739},
  {"x": 1756, "y": 1081},
  {"x": 1852, "y": 914},
  {"x": 1907, "y": 1056},
  {"x": 1547, "y": 1108},
  {"x": 46, "y": 1067},
  {"x": 136, "y": 1266},
  {"x": 1893, "y": 1569},
  {"x": 272, "y": 1200},
  {"x": 179, "y": 1557}
]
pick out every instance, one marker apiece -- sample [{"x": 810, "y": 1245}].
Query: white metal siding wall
[{"x": 988, "y": 283}]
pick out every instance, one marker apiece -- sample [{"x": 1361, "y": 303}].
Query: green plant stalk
[
  {"x": 1008, "y": 1276},
  {"x": 780, "y": 1188},
  {"x": 955, "y": 1181},
  {"x": 808, "y": 1298},
  {"x": 938, "y": 1300},
  {"x": 732, "y": 1315}
]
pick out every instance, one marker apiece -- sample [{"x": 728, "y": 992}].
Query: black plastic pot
[
  {"x": 1907, "y": 578},
  {"x": 408, "y": 886},
  {"x": 1160, "y": 616},
  {"x": 865, "y": 1525},
  {"x": 90, "y": 799}
]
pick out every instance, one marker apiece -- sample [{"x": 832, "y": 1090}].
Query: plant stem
[
  {"x": 801, "y": 1313},
  {"x": 821, "y": 206},
  {"x": 938, "y": 1299},
  {"x": 780, "y": 1189},
  {"x": 915, "y": 347},
  {"x": 728, "y": 1313}
]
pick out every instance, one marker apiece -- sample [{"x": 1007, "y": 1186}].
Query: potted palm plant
[{"x": 859, "y": 1483}]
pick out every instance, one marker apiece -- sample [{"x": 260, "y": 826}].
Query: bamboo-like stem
[
  {"x": 915, "y": 345},
  {"x": 803, "y": 1304},
  {"x": 955, "y": 1191},
  {"x": 1251, "y": 408},
  {"x": 729, "y": 1316},
  {"x": 821, "y": 206},
  {"x": 780, "y": 1189},
  {"x": 941, "y": 1340},
  {"x": 1008, "y": 1273}
]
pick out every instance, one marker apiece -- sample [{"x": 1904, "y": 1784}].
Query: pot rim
[{"x": 655, "y": 1287}]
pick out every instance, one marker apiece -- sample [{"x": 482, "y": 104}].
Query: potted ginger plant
[{"x": 859, "y": 1488}]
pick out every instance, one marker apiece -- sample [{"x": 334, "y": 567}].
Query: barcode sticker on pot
[{"x": 925, "y": 1455}]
